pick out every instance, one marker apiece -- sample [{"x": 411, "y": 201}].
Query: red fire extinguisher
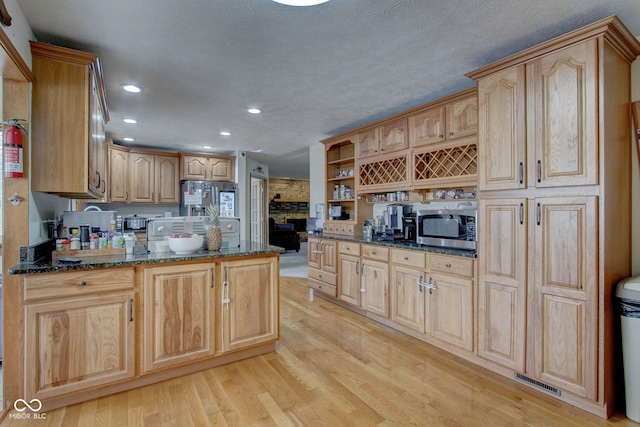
[{"x": 12, "y": 143}]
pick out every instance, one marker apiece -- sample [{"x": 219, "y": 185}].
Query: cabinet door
[
  {"x": 97, "y": 148},
  {"x": 407, "y": 297},
  {"x": 350, "y": 280},
  {"x": 368, "y": 143},
  {"x": 462, "y": 118},
  {"x": 250, "y": 302},
  {"x": 167, "y": 182},
  {"x": 179, "y": 315},
  {"x": 78, "y": 344},
  {"x": 118, "y": 175},
  {"x": 427, "y": 127},
  {"x": 502, "y": 281},
  {"x": 375, "y": 287},
  {"x": 393, "y": 136},
  {"x": 194, "y": 168},
  {"x": 141, "y": 182},
  {"x": 220, "y": 169},
  {"x": 565, "y": 302},
  {"x": 314, "y": 253},
  {"x": 564, "y": 92},
  {"x": 329, "y": 250},
  {"x": 450, "y": 310},
  {"x": 501, "y": 130}
]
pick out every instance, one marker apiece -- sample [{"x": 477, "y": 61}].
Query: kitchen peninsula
[{"x": 115, "y": 322}]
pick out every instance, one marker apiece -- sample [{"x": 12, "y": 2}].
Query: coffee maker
[{"x": 394, "y": 218}]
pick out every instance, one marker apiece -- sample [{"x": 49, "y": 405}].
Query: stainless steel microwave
[{"x": 447, "y": 228}]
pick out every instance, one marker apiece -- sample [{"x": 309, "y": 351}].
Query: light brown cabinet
[
  {"x": 350, "y": 278},
  {"x": 555, "y": 156},
  {"x": 179, "y": 315},
  {"x": 69, "y": 112},
  {"x": 383, "y": 139},
  {"x": 454, "y": 120},
  {"x": 79, "y": 331},
  {"x": 118, "y": 173},
  {"x": 561, "y": 96},
  {"x": 250, "y": 292},
  {"x": 408, "y": 272},
  {"x": 502, "y": 281},
  {"x": 207, "y": 168},
  {"x": 153, "y": 178},
  {"x": 323, "y": 265}
]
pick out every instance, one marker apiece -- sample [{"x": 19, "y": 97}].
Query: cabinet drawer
[
  {"x": 378, "y": 253},
  {"x": 409, "y": 258},
  {"x": 72, "y": 283},
  {"x": 349, "y": 248},
  {"x": 329, "y": 228},
  {"x": 323, "y": 287},
  {"x": 452, "y": 265},
  {"x": 323, "y": 276},
  {"x": 346, "y": 229}
]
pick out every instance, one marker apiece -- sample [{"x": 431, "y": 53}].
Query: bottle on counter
[
  {"x": 84, "y": 237},
  {"x": 75, "y": 243}
]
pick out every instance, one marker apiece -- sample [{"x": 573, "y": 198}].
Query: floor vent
[{"x": 536, "y": 384}]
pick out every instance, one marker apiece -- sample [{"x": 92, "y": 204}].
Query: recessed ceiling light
[
  {"x": 225, "y": 133},
  {"x": 128, "y": 139},
  {"x": 301, "y": 2},
  {"x": 132, "y": 88},
  {"x": 254, "y": 110},
  {"x": 208, "y": 147},
  {"x": 130, "y": 121}
]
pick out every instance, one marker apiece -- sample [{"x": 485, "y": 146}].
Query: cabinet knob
[
  {"x": 447, "y": 265},
  {"x": 82, "y": 283},
  {"x": 406, "y": 258},
  {"x": 373, "y": 252},
  {"x": 441, "y": 136},
  {"x": 450, "y": 133}
]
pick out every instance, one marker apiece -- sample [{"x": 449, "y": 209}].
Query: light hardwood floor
[{"x": 332, "y": 367}]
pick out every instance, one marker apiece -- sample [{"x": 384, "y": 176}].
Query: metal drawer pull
[
  {"x": 82, "y": 283},
  {"x": 447, "y": 265},
  {"x": 406, "y": 258}
]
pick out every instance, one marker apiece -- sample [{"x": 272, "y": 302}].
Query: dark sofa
[{"x": 284, "y": 236}]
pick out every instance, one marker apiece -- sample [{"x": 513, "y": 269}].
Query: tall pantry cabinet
[{"x": 554, "y": 210}]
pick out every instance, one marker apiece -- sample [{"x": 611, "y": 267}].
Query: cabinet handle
[
  {"x": 357, "y": 265},
  {"x": 82, "y": 283},
  {"x": 130, "y": 309},
  {"x": 521, "y": 172},
  {"x": 441, "y": 136},
  {"x": 382, "y": 149},
  {"x": 406, "y": 258},
  {"x": 362, "y": 270},
  {"x": 538, "y": 219},
  {"x": 521, "y": 213},
  {"x": 429, "y": 285},
  {"x": 451, "y": 134},
  {"x": 447, "y": 265},
  {"x": 225, "y": 289},
  {"x": 152, "y": 196},
  {"x": 539, "y": 171},
  {"x": 212, "y": 278},
  {"x": 126, "y": 195}
]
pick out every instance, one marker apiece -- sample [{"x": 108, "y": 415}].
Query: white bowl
[{"x": 185, "y": 245}]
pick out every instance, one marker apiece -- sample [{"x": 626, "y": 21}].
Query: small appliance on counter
[
  {"x": 134, "y": 223},
  {"x": 449, "y": 228}
]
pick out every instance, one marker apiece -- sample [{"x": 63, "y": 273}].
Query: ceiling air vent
[{"x": 536, "y": 384}]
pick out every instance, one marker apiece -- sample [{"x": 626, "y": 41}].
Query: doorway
[{"x": 258, "y": 208}]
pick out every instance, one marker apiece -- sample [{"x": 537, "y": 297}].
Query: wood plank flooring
[{"x": 332, "y": 367}]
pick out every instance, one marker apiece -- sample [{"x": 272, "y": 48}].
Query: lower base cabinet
[
  {"x": 249, "y": 302},
  {"x": 77, "y": 337},
  {"x": 179, "y": 315}
]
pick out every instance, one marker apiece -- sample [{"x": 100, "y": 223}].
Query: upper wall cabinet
[
  {"x": 454, "y": 120},
  {"x": 207, "y": 168},
  {"x": 386, "y": 138},
  {"x": 69, "y": 112}
]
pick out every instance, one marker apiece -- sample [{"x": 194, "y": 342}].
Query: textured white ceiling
[{"x": 315, "y": 71}]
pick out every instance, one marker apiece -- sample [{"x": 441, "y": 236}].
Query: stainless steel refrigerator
[{"x": 196, "y": 196}]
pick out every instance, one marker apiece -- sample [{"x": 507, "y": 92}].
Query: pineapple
[{"x": 214, "y": 234}]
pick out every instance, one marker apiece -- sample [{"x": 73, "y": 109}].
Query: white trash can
[{"x": 628, "y": 293}]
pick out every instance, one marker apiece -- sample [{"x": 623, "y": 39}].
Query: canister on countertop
[
  {"x": 84, "y": 236},
  {"x": 75, "y": 243}
]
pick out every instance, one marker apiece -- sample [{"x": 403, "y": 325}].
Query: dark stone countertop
[
  {"x": 247, "y": 248},
  {"x": 398, "y": 244}
]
